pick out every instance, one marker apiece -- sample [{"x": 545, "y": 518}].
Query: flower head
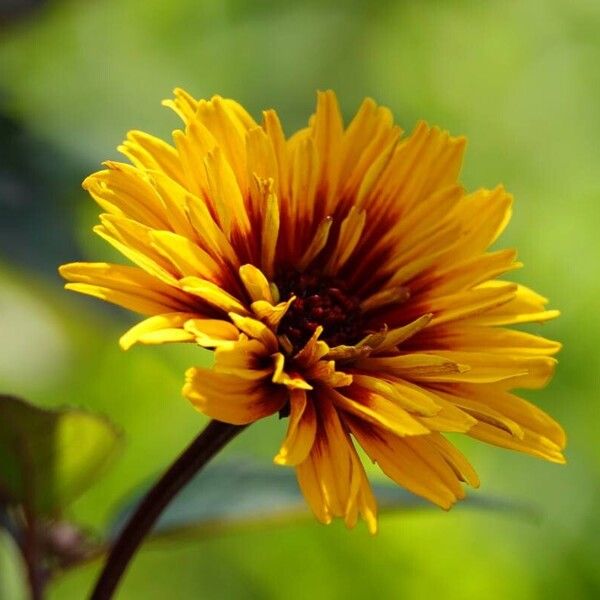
[{"x": 344, "y": 280}]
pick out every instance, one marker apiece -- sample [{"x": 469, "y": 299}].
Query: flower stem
[{"x": 210, "y": 441}]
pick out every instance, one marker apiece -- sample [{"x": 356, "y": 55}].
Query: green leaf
[
  {"x": 12, "y": 570},
  {"x": 49, "y": 457},
  {"x": 235, "y": 495}
]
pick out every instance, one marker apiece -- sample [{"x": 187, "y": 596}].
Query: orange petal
[
  {"x": 332, "y": 478},
  {"x": 301, "y": 430},
  {"x": 231, "y": 399}
]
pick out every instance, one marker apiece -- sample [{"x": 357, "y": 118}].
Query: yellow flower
[{"x": 343, "y": 278}]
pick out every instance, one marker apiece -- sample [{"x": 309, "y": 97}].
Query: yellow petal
[
  {"x": 175, "y": 198},
  {"x": 256, "y": 284},
  {"x": 393, "y": 295},
  {"x": 152, "y": 154},
  {"x": 377, "y": 410},
  {"x": 455, "y": 459},
  {"x": 229, "y": 123},
  {"x": 480, "y": 411},
  {"x": 274, "y": 131},
  {"x": 521, "y": 412},
  {"x": 270, "y": 229},
  {"x": 207, "y": 229},
  {"x": 225, "y": 193},
  {"x": 450, "y": 418},
  {"x": 301, "y": 430},
  {"x": 531, "y": 443},
  {"x": 493, "y": 209},
  {"x": 325, "y": 372},
  {"x": 269, "y": 313},
  {"x": 415, "y": 367},
  {"x": 525, "y": 307},
  {"x": 402, "y": 460},
  {"x": 291, "y": 381},
  {"x": 463, "y": 305},
  {"x": 370, "y": 133},
  {"x": 313, "y": 350},
  {"x": 125, "y": 191},
  {"x": 135, "y": 302},
  {"x": 393, "y": 337},
  {"x": 187, "y": 257},
  {"x": 469, "y": 272},
  {"x": 490, "y": 339},
  {"x": 183, "y": 104},
  {"x": 332, "y": 478},
  {"x": 351, "y": 229},
  {"x": 262, "y": 166},
  {"x": 133, "y": 240},
  {"x": 257, "y": 330},
  {"x": 230, "y": 399},
  {"x": 213, "y": 294},
  {"x": 425, "y": 162},
  {"x": 304, "y": 178},
  {"x": 488, "y": 367},
  {"x": 158, "y": 330},
  {"x": 316, "y": 244},
  {"x": 132, "y": 281},
  {"x": 212, "y": 333},
  {"x": 408, "y": 396},
  {"x": 244, "y": 359},
  {"x": 373, "y": 175}
]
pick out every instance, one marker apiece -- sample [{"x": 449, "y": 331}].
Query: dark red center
[{"x": 320, "y": 300}]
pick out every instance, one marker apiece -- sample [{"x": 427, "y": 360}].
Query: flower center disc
[{"x": 320, "y": 300}]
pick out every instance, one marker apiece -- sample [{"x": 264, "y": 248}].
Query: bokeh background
[{"x": 520, "y": 79}]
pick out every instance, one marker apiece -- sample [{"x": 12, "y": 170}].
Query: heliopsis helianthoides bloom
[{"x": 344, "y": 280}]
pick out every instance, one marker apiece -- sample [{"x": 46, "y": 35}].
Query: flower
[{"x": 344, "y": 280}]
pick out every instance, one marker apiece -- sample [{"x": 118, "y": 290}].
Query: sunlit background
[{"x": 520, "y": 79}]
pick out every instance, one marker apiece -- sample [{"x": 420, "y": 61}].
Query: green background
[{"x": 520, "y": 79}]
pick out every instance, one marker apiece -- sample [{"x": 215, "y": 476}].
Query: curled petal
[
  {"x": 269, "y": 313},
  {"x": 313, "y": 350},
  {"x": 325, "y": 372},
  {"x": 292, "y": 381}
]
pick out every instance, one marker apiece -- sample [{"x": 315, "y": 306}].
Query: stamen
[{"x": 320, "y": 301}]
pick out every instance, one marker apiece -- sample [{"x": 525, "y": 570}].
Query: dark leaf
[{"x": 234, "y": 495}]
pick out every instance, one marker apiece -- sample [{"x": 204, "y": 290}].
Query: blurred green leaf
[
  {"x": 239, "y": 495},
  {"x": 49, "y": 457},
  {"x": 12, "y": 570}
]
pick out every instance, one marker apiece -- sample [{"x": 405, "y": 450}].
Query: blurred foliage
[
  {"x": 50, "y": 457},
  {"x": 241, "y": 495},
  {"x": 12, "y": 571},
  {"x": 520, "y": 79}
]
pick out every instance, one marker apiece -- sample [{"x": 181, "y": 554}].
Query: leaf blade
[{"x": 48, "y": 457}]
